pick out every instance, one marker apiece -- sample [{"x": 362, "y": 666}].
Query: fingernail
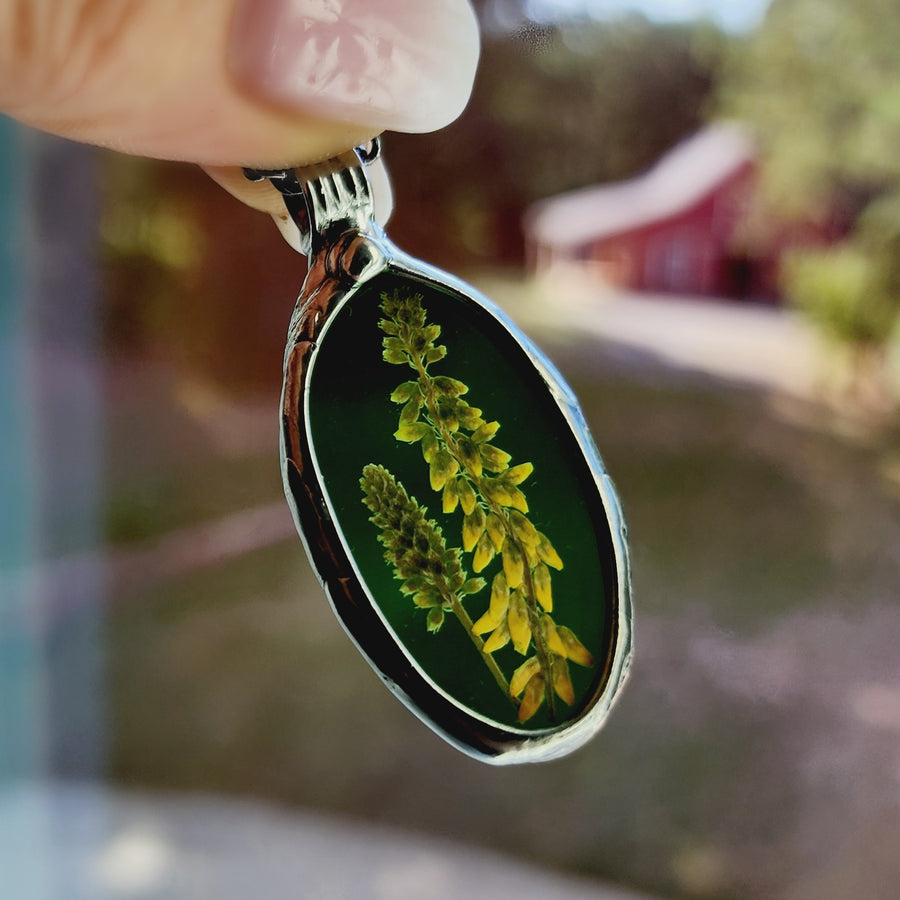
[{"x": 407, "y": 65}]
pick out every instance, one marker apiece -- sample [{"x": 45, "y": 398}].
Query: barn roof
[{"x": 681, "y": 178}]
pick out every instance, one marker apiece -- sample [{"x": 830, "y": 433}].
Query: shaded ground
[
  {"x": 754, "y": 752},
  {"x": 100, "y": 844}
]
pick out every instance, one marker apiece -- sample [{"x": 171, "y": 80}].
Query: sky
[{"x": 734, "y": 15}]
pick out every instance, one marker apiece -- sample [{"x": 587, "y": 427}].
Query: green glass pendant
[{"x": 447, "y": 490}]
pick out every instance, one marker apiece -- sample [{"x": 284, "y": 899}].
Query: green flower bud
[
  {"x": 494, "y": 459},
  {"x": 485, "y": 432},
  {"x": 405, "y": 391},
  {"x": 435, "y": 619}
]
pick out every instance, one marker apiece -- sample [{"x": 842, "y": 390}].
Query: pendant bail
[{"x": 326, "y": 199}]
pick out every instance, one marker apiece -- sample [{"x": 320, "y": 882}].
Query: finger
[
  {"x": 256, "y": 194},
  {"x": 263, "y": 83},
  {"x": 263, "y": 196}
]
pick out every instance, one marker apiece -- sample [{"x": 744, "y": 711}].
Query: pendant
[{"x": 446, "y": 488}]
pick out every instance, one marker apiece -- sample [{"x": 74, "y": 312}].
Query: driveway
[{"x": 87, "y": 842}]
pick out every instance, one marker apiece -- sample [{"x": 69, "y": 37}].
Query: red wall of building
[{"x": 695, "y": 252}]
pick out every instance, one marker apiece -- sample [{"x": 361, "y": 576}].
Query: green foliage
[
  {"x": 594, "y": 101},
  {"x": 179, "y": 258},
  {"x": 878, "y": 233},
  {"x": 842, "y": 292},
  {"x": 553, "y": 109},
  {"x": 818, "y": 83},
  {"x": 474, "y": 476}
]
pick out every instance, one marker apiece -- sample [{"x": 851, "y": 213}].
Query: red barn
[{"x": 672, "y": 229}]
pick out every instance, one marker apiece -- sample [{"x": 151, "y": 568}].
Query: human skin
[{"x": 233, "y": 83}]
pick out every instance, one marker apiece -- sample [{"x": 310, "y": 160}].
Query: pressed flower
[
  {"x": 523, "y": 675},
  {"x": 467, "y": 496},
  {"x": 469, "y": 456},
  {"x": 499, "y": 593},
  {"x": 487, "y": 623},
  {"x": 410, "y": 411},
  {"x": 517, "y": 500},
  {"x": 450, "y": 497},
  {"x": 547, "y": 553},
  {"x": 485, "y": 432},
  {"x": 517, "y": 620},
  {"x": 430, "y": 571},
  {"x": 495, "y": 531},
  {"x": 551, "y": 636},
  {"x": 498, "y": 639},
  {"x": 473, "y": 528},
  {"x": 446, "y": 415},
  {"x": 543, "y": 587},
  {"x": 534, "y": 697},
  {"x": 404, "y": 392},
  {"x": 484, "y": 553},
  {"x": 469, "y": 417},
  {"x": 473, "y": 586},
  {"x": 513, "y": 565},
  {"x": 430, "y": 446},
  {"x": 517, "y": 474},
  {"x": 523, "y": 529},
  {"x": 495, "y": 459},
  {"x": 499, "y": 604},
  {"x": 411, "y": 431},
  {"x": 426, "y": 599},
  {"x": 575, "y": 650},
  {"x": 442, "y": 467},
  {"x": 562, "y": 681},
  {"x": 476, "y": 478},
  {"x": 435, "y": 619},
  {"x": 449, "y": 387}
]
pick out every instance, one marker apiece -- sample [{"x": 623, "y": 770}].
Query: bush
[{"x": 842, "y": 289}]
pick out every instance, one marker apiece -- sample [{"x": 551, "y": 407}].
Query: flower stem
[{"x": 466, "y": 621}]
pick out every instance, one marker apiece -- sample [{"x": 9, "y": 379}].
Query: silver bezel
[{"x": 336, "y": 274}]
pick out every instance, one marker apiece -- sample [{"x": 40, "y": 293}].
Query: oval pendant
[{"x": 448, "y": 492}]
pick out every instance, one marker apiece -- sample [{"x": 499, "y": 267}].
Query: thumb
[{"x": 263, "y": 83}]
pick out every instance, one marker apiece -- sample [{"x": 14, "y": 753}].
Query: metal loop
[
  {"x": 368, "y": 153},
  {"x": 321, "y": 196},
  {"x": 286, "y": 182}
]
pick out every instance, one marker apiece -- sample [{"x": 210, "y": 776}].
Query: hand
[{"x": 263, "y": 83}]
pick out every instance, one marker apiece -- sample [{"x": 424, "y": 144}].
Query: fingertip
[{"x": 406, "y": 65}]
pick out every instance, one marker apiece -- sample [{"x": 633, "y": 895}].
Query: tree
[
  {"x": 819, "y": 83},
  {"x": 554, "y": 108}
]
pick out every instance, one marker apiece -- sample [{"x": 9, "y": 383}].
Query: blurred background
[{"x": 694, "y": 209}]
